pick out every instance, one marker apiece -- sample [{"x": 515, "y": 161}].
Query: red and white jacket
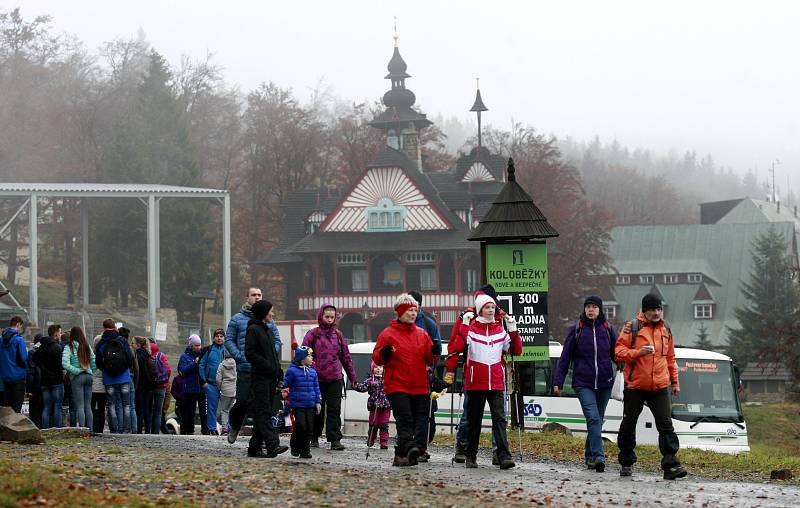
[{"x": 486, "y": 343}]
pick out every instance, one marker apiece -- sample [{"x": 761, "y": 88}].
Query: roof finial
[
  {"x": 395, "y": 36},
  {"x": 511, "y": 170},
  {"x": 478, "y": 82}
]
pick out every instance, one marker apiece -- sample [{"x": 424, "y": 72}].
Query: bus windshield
[{"x": 708, "y": 391}]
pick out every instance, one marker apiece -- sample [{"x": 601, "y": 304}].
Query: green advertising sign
[
  {"x": 512, "y": 268},
  {"x": 534, "y": 354}
]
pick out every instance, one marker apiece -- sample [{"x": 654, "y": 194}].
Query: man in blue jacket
[
  {"x": 234, "y": 343},
  {"x": 13, "y": 364},
  {"x": 115, "y": 359}
]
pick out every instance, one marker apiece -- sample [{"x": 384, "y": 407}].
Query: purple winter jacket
[
  {"x": 324, "y": 340},
  {"x": 590, "y": 355}
]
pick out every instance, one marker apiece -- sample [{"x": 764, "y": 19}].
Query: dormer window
[
  {"x": 623, "y": 279},
  {"x": 647, "y": 279},
  {"x": 385, "y": 216},
  {"x": 695, "y": 278}
]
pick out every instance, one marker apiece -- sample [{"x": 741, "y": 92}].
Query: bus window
[
  {"x": 361, "y": 363},
  {"x": 536, "y": 378},
  {"x": 708, "y": 391}
]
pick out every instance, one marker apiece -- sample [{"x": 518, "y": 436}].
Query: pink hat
[{"x": 482, "y": 300}]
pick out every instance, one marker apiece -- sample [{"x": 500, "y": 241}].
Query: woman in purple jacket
[
  {"x": 330, "y": 357},
  {"x": 589, "y": 348}
]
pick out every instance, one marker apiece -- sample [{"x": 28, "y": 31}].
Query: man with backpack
[
  {"x": 115, "y": 359},
  {"x": 647, "y": 348},
  {"x": 331, "y": 356},
  {"x": 13, "y": 364}
]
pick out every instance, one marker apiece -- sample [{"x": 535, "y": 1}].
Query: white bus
[{"x": 706, "y": 414}]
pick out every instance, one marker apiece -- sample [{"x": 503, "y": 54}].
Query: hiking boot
[
  {"x": 461, "y": 453},
  {"x": 295, "y": 453},
  {"x": 276, "y": 451},
  {"x": 314, "y": 443},
  {"x": 400, "y": 461},
  {"x": 627, "y": 471},
  {"x": 674, "y": 473},
  {"x": 413, "y": 456},
  {"x": 337, "y": 446},
  {"x": 591, "y": 464},
  {"x": 232, "y": 435},
  {"x": 257, "y": 454},
  {"x": 305, "y": 455},
  {"x": 423, "y": 457},
  {"x": 600, "y": 466},
  {"x": 495, "y": 459},
  {"x": 471, "y": 462},
  {"x": 507, "y": 463}
]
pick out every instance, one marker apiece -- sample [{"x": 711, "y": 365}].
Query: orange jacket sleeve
[{"x": 671, "y": 365}]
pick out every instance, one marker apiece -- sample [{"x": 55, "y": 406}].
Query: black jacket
[
  {"x": 48, "y": 359},
  {"x": 259, "y": 350}
]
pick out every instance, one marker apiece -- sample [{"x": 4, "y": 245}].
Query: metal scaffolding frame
[{"x": 150, "y": 195}]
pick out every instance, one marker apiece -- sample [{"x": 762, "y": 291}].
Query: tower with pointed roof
[{"x": 399, "y": 120}]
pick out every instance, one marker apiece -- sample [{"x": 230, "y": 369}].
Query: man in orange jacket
[{"x": 650, "y": 372}]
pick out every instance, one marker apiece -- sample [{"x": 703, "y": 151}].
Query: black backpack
[{"x": 115, "y": 361}]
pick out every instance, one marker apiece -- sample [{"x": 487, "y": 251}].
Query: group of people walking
[{"x": 240, "y": 374}]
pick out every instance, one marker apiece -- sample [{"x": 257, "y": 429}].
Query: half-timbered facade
[{"x": 397, "y": 228}]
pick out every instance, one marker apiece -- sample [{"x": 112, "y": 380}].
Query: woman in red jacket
[
  {"x": 486, "y": 341},
  {"x": 405, "y": 351}
]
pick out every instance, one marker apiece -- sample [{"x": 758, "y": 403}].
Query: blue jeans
[
  {"x": 593, "y": 403},
  {"x": 132, "y": 398},
  {"x": 53, "y": 397},
  {"x": 155, "y": 402},
  {"x": 82, "y": 399},
  {"x": 119, "y": 408},
  {"x": 212, "y": 398}
]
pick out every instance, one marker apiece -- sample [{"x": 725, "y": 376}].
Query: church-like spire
[{"x": 478, "y": 107}]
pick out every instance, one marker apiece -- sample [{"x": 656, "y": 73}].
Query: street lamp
[{"x": 365, "y": 310}]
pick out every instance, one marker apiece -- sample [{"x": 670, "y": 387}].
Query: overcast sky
[{"x": 721, "y": 77}]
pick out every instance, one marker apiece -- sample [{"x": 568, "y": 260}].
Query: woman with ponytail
[{"x": 78, "y": 360}]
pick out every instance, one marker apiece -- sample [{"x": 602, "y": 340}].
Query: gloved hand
[
  {"x": 511, "y": 323},
  {"x": 436, "y": 349},
  {"x": 434, "y": 395},
  {"x": 449, "y": 378},
  {"x": 467, "y": 317},
  {"x": 386, "y": 352},
  {"x": 318, "y": 408}
]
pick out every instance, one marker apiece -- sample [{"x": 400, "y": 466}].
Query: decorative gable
[
  {"x": 478, "y": 173},
  {"x": 389, "y": 189}
]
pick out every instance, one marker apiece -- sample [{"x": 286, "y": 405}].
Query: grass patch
[{"x": 317, "y": 488}]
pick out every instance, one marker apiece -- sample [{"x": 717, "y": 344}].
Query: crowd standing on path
[{"x": 239, "y": 375}]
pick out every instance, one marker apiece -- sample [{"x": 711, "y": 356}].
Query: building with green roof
[{"x": 697, "y": 269}]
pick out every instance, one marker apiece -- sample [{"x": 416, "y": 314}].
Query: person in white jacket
[{"x": 226, "y": 383}]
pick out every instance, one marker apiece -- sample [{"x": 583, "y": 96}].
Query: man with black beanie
[
  {"x": 647, "y": 348},
  {"x": 259, "y": 349}
]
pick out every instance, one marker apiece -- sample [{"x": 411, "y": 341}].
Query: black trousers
[
  {"x": 659, "y": 403},
  {"x": 99, "y": 412},
  {"x": 35, "y": 408},
  {"x": 303, "y": 429},
  {"x": 426, "y": 427},
  {"x": 330, "y": 416},
  {"x": 15, "y": 395},
  {"x": 187, "y": 406},
  {"x": 408, "y": 410},
  {"x": 242, "y": 406},
  {"x": 475, "y": 404},
  {"x": 262, "y": 393}
]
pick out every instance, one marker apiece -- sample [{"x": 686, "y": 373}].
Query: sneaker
[
  {"x": 337, "y": 446},
  {"x": 627, "y": 471},
  {"x": 232, "y": 435},
  {"x": 507, "y": 463},
  {"x": 305, "y": 455},
  {"x": 315, "y": 443},
  {"x": 461, "y": 454},
  {"x": 600, "y": 466},
  {"x": 400, "y": 461},
  {"x": 276, "y": 451},
  {"x": 675, "y": 472},
  {"x": 471, "y": 462}
]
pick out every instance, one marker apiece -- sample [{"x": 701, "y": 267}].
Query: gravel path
[{"x": 207, "y": 470}]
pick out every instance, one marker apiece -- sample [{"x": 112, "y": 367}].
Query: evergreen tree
[
  {"x": 703, "y": 341},
  {"x": 766, "y": 320}
]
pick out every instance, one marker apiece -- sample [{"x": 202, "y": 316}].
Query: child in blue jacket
[{"x": 304, "y": 399}]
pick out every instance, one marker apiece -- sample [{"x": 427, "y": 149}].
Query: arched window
[{"x": 385, "y": 216}]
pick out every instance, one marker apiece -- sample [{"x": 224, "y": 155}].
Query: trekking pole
[
  {"x": 520, "y": 416},
  {"x": 455, "y": 436},
  {"x": 370, "y": 438}
]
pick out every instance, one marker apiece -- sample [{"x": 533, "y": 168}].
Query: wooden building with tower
[{"x": 397, "y": 228}]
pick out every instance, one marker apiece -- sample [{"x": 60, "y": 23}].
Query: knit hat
[
  {"x": 593, "y": 300},
  {"x": 403, "y": 303},
  {"x": 651, "y": 301},
  {"x": 194, "y": 340},
  {"x": 489, "y": 290},
  {"x": 301, "y": 352},
  {"x": 480, "y": 301},
  {"x": 416, "y": 296},
  {"x": 260, "y": 309}
]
